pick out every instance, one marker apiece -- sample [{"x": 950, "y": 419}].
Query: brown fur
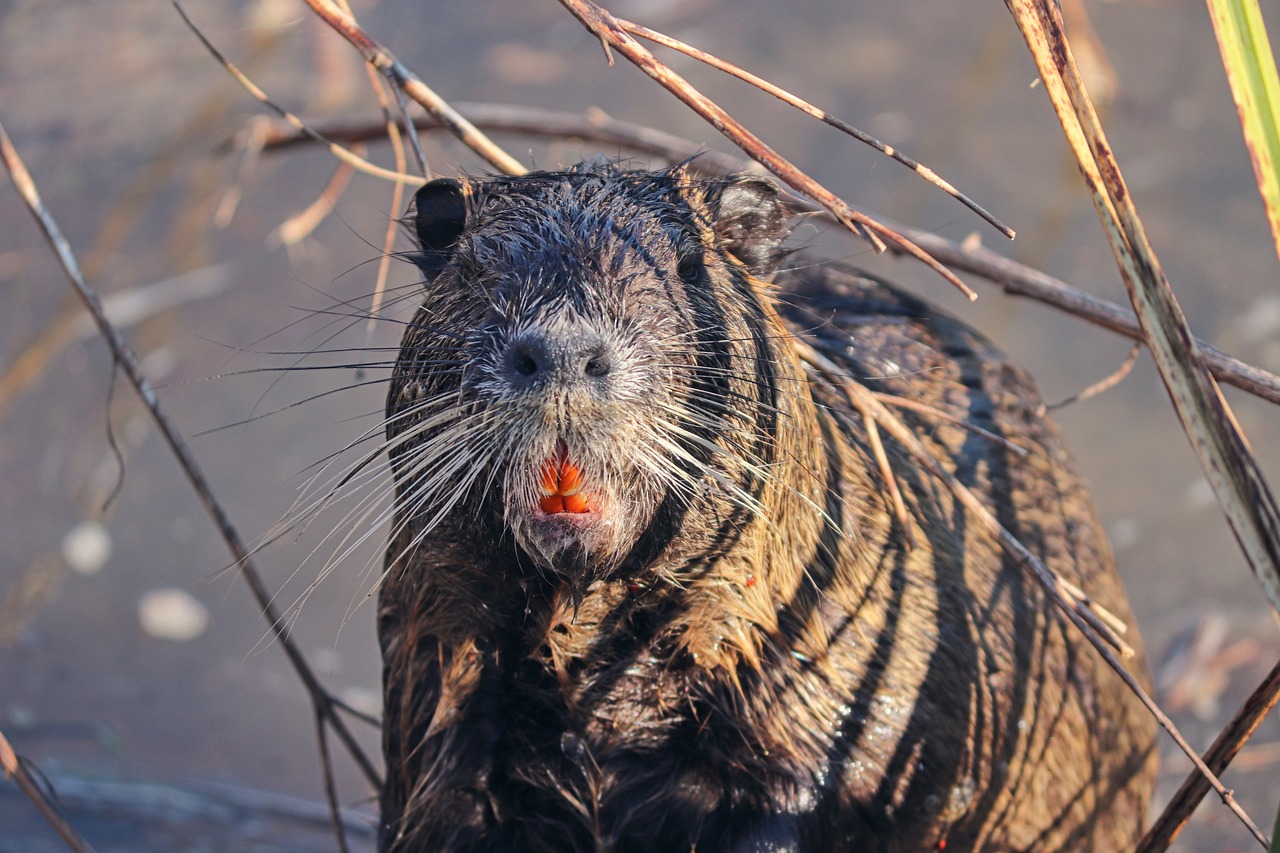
[{"x": 737, "y": 651}]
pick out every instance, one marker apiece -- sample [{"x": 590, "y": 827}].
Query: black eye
[{"x": 690, "y": 267}]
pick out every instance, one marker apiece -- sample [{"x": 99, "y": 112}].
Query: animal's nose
[{"x": 563, "y": 356}]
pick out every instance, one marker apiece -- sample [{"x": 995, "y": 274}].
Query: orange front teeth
[{"x": 561, "y": 485}]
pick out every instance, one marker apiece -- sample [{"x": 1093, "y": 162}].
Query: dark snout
[{"x": 562, "y": 356}]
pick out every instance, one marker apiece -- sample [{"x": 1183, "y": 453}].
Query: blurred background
[{"x": 136, "y": 671}]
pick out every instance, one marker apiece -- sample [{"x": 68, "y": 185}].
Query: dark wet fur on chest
[{"x": 725, "y": 645}]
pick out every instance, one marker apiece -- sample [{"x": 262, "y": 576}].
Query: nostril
[
  {"x": 598, "y": 364},
  {"x": 523, "y": 363},
  {"x": 527, "y": 357}
]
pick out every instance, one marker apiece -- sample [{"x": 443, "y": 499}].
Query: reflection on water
[{"x": 122, "y": 118}]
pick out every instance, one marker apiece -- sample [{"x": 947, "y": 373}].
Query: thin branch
[
  {"x": 330, "y": 786},
  {"x": 16, "y": 769},
  {"x": 397, "y": 197},
  {"x": 414, "y": 142},
  {"x": 128, "y": 363},
  {"x": 405, "y": 80},
  {"x": 820, "y": 114},
  {"x": 934, "y": 412},
  {"x": 1021, "y": 280},
  {"x": 1224, "y": 749},
  {"x": 1104, "y": 384},
  {"x": 1014, "y": 278},
  {"x": 607, "y": 29},
  {"x": 886, "y": 473},
  {"x": 348, "y": 157}
]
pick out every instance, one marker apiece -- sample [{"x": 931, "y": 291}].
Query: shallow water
[{"x": 122, "y": 116}]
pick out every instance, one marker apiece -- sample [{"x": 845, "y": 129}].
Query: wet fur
[{"x": 746, "y": 656}]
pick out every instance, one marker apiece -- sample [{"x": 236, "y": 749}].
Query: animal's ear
[
  {"x": 439, "y": 215},
  {"x": 752, "y": 222}
]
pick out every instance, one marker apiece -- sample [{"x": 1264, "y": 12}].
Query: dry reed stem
[
  {"x": 1237, "y": 480},
  {"x": 15, "y": 768},
  {"x": 1014, "y": 278},
  {"x": 127, "y": 361}
]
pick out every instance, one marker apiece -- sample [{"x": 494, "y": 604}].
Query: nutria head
[{"x": 586, "y": 364}]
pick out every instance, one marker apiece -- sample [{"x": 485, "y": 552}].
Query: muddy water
[{"x": 157, "y": 744}]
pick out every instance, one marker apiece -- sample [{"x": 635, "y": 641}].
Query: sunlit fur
[{"x": 734, "y": 650}]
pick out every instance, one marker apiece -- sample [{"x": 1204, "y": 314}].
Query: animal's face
[{"x": 574, "y": 366}]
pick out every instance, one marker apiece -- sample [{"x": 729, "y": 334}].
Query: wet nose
[{"x": 562, "y": 357}]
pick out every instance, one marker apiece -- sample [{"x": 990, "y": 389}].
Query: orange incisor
[{"x": 561, "y": 486}]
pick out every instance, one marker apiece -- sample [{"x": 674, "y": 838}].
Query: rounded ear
[
  {"x": 439, "y": 216},
  {"x": 752, "y": 222}
]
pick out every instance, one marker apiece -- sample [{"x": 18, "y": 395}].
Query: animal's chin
[{"x": 581, "y": 547}]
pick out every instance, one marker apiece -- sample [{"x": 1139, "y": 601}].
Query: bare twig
[
  {"x": 397, "y": 198},
  {"x": 886, "y": 473},
  {"x": 818, "y": 113},
  {"x": 1015, "y": 278},
  {"x": 605, "y": 27},
  {"x": 128, "y": 363},
  {"x": 405, "y": 80},
  {"x": 935, "y": 412},
  {"x": 1225, "y": 747},
  {"x": 15, "y": 769},
  {"x": 330, "y": 787},
  {"x": 1106, "y": 383},
  {"x": 298, "y": 227},
  {"x": 348, "y": 157}
]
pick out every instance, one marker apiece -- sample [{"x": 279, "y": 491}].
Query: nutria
[{"x": 646, "y": 590}]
